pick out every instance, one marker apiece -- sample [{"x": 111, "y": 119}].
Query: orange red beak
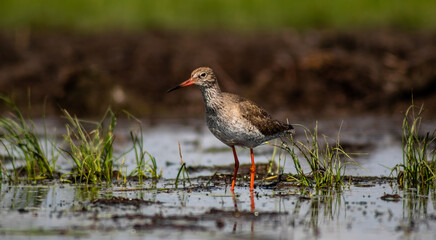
[{"x": 183, "y": 84}]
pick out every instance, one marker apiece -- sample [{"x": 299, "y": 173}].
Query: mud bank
[{"x": 290, "y": 73}]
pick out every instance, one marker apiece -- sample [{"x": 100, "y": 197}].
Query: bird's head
[{"x": 202, "y": 77}]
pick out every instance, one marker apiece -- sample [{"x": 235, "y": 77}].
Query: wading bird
[{"x": 234, "y": 120}]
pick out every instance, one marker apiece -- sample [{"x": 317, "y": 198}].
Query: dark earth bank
[{"x": 289, "y": 73}]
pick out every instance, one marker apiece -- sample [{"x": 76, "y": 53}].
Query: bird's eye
[{"x": 203, "y": 75}]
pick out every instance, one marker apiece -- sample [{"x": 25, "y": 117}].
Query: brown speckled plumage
[
  {"x": 234, "y": 120},
  {"x": 262, "y": 120}
]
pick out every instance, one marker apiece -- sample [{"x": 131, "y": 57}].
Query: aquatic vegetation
[
  {"x": 327, "y": 163},
  {"x": 182, "y": 171},
  {"x": 20, "y": 141},
  {"x": 271, "y": 162},
  {"x": 91, "y": 151},
  {"x": 419, "y": 161},
  {"x": 145, "y": 168}
]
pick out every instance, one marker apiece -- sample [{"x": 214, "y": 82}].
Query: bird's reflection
[
  {"x": 252, "y": 204},
  {"x": 237, "y": 212}
]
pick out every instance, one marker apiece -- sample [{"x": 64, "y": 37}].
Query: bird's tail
[{"x": 290, "y": 130}]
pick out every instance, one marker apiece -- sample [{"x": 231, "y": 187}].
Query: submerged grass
[
  {"x": 146, "y": 165},
  {"x": 327, "y": 163},
  {"x": 21, "y": 142},
  {"x": 91, "y": 151},
  {"x": 419, "y": 161},
  {"x": 183, "y": 172}
]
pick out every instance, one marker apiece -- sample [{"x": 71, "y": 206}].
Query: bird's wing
[{"x": 259, "y": 117}]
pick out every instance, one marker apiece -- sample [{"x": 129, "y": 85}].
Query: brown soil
[
  {"x": 289, "y": 73},
  {"x": 122, "y": 201},
  {"x": 244, "y": 169}
]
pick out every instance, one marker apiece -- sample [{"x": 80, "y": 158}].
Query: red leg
[
  {"x": 236, "y": 168},
  {"x": 252, "y": 170}
]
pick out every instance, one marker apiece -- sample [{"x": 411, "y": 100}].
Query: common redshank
[{"x": 234, "y": 120}]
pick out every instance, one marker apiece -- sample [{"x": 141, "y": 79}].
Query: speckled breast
[{"x": 234, "y": 131}]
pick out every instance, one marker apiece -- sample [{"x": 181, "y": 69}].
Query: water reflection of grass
[
  {"x": 21, "y": 197},
  {"x": 417, "y": 209},
  {"x": 327, "y": 204}
]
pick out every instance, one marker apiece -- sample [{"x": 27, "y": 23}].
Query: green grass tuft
[
  {"x": 91, "y": 151},
  {"x": 21, "y": 142},
  {"x": 183, "y": 171},
  {"x": 327, "y": 163},
  {"x": 146, "y": 165},
  {"x": 419, "y": 161}
]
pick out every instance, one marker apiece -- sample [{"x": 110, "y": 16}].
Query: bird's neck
[{"x": 213, "y": 97}]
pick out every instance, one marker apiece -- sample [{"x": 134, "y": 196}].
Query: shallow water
[
  {"x": 376, "y": 142},
  {"x": 67, "y": 211},
  {"x": 201, "y": 211}
]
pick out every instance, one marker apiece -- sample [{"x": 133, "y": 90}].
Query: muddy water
[
  {"x": 144, "y": 212},
  {"x": 207, "y": 210}
]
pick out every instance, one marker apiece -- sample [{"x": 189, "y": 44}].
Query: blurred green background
[{"x": 91, "y": 15}]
